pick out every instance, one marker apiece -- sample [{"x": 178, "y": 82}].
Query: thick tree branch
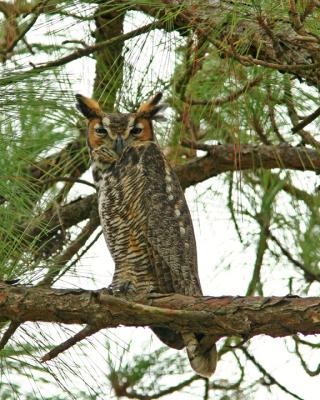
[
  {"x": 223, "y": 158},
  {"x": 222, "y": 316}
]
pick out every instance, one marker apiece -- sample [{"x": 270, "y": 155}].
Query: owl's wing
[{"x": 169, "y": 229}]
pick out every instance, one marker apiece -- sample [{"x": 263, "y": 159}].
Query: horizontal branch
[
  {"x": 220, "y": 316},
  {"x": 224, "y": 158}
]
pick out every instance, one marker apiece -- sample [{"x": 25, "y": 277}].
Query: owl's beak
[{"x": 118, "y": 145}]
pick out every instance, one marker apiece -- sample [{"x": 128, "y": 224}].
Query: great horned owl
[{"x": 145, "y": 217}]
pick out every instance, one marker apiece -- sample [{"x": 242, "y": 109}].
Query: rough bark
[
  {"x": 223, "y": 158},
  {"x": 222, "y": 316}
]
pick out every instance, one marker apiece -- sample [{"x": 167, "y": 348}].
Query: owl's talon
[
  {"x": 109, "y": 290},
  {"x": 126, "y": 288}
]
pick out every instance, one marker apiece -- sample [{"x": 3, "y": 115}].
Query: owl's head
[{"x": 116, "y": 130}]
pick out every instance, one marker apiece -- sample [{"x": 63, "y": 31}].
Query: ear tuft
[
  {"x": 88, "y": 107},
  {"x": 152, "y": 109},
  {"x": 155, "y": 99}
]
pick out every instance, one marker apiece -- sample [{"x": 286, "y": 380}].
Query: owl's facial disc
[{"x": 118, "y": 131}]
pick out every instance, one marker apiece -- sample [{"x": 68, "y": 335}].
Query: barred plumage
[{"x": 145, "y": 217}]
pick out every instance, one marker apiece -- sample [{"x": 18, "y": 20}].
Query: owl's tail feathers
[
  {"x": 202, "y": 353},
  {"x": 169, "y": 337}
]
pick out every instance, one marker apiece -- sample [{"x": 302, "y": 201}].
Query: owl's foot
[
  {"x": 109, "y": 290},
  {"x": 126, "y": 289}
]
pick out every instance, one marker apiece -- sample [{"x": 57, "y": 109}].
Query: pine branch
[
  {"x": 219, "y": 316},
  {"x": 86, "y": 51},
  {"x": 37, "y": 10},
  {"x": 223, "y": 158},
  {"x": 306, "y": 121},
  {"x": 207, "y": 18}
]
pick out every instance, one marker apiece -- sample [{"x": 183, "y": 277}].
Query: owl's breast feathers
[{"x": 147, "y": 223}]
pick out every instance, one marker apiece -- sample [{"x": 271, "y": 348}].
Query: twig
[
  {"x": 271, "y": 113},
  {"x": 234, "y": 385},
  {"x": 75, "y": 41},
  {"x": 196, "y": 145},
  {"x": 268, "y": 375},
  {"x": 308, "y": 274},
  {"x": 257, "y": 126},
  {"x": 80, "y": 255},
  {"x": 60, "y": 261},
  {"x": 303, "y": 363},
  {"x": 38, "y": 68},
  {"x": 306, "y": 343},
  {"x": 121, "y": 389},
  {"x": 67, "y": 179},
  {"x": 249, "y": 60},
  {"x": 264, "y": 23},
  {"x": 231, "y": 209},
  {"x": 8, "y": 333},
  {"x": 306, "y": 121},
  {"x": 255, "y": 282},
  {"x": 206, "y": 390},
  {"x": 294, "y": 18},
  {"x": 85, "y": 332},
  {"x": 293, "y": 115},
  {"x": 38, "y": 8}
]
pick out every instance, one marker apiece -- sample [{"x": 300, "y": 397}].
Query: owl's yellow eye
[
  {"x": 100, "y": 131},
  {"x": 135, "y": 130}
]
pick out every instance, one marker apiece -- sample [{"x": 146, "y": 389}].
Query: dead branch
[
  {"x": 84, "y": 333},
  {"x": 306, "y": 121}
]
